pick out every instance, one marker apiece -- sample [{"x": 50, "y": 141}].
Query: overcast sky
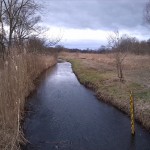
[{"x": 87, "y": 23}]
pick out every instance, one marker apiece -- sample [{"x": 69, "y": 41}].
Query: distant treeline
[
  {"x": 126, "y": 44},
  {"x": 131, "y": 45}
]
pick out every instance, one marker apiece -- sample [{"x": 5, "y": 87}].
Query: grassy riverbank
[
  {"x": 16, "y": 77},
  {"x": 98, "y": 72}
]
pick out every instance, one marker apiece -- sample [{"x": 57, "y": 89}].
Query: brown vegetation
[
  {"x": 98, "y": 71},
  {"x": 16, "y": 77}
]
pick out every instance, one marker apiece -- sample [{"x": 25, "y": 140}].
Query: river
[{"x": 64, "y": 115}]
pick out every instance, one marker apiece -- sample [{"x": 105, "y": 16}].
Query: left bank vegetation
[{"x": 23, "y": 56}]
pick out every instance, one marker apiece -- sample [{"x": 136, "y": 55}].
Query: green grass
[
  {"x": 97, "y": 80},
  {"x": 90, "y": 77},
  {"x": 143, "y": 96},
  {"x": 102, "y": 79},
  {"x": 135, "y": 86},
  {"x": 103, "y": 83},
  {"x": 140, "y": 93},
  {"x": 107, "y": 84}
]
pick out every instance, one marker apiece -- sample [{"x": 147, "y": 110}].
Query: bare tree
[
  {"x": 19, "y": 17},
  {"x": 2, "y": 45},
  {"x": 27, "y": 24},
  {"x": 36, "y": 44},
  {"x": 147, "y": 12},
  {"x": 60, "y": 48},
  {"x": 115, "y": 41}
]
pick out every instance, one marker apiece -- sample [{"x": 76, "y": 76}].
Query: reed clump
[{"x": 17, "y": 73}]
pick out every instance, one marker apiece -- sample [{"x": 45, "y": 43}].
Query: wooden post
[{"x": 132, "y": 113}]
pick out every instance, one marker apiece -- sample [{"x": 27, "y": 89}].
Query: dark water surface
[{"x": 64, "y": 115}]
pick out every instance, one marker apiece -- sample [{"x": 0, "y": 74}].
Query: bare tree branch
[{"x": 120, "y": 45}]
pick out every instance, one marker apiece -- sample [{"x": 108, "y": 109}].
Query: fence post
[{"x": 132, "y": 113}]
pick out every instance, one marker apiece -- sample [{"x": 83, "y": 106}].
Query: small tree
[
  {"x": 35, "y": 44},
  {"x": 60, "y": 48},
  {"x": 120, "y": 47}
]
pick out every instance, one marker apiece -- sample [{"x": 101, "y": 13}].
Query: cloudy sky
[{"x": 87, "y": 23}]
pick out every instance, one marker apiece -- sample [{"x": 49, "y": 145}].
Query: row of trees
[
  {"x": 126, "y": 44},
  {"x": 129, "y": 44}
]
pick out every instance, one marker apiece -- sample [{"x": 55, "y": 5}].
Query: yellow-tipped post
[{"x": 132, "y": 113}]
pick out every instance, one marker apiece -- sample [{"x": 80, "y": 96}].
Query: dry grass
[
  {"x": 16, "y": 76},
  {"x": 98, "y": 71}
]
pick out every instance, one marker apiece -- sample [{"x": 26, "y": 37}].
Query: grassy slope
[{"x": 98, "y": 73}]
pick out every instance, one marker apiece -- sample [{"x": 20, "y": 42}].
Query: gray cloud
[
  {"x": 95, "y": 14},
  {"x": 104, "y": 15}
]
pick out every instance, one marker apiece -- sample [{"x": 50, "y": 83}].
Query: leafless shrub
[{"x": 120, "y": 49}]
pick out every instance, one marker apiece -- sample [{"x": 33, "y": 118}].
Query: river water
[{"x": 64, "y": 115}]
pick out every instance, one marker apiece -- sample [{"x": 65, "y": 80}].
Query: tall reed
[{"x": 16, "y": 76}]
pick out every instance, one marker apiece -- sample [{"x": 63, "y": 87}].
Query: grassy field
[{"x": 98, "y": 72}]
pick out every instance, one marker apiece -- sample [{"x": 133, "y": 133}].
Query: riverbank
[
  {"x": 17, "y": 74},
  {"x": 97, "y": 72}
]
